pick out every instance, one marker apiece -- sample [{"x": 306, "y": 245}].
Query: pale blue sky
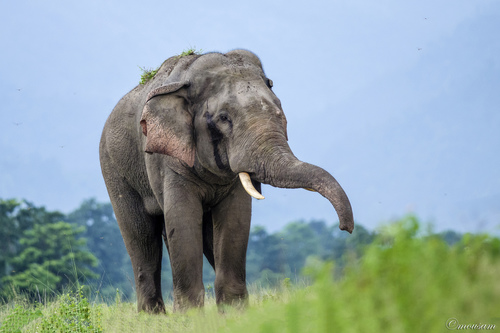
[{"x": 399, "y": 100}]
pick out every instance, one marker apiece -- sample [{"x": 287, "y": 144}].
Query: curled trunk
[{"x": 284, "y": 170}]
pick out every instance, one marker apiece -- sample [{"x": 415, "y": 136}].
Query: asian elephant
[{"x": 182, "y": 154}]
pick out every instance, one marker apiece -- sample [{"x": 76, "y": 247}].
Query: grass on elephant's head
[
  {"x": 190, "y": 51},
  {"x": 149, "y": 73}
]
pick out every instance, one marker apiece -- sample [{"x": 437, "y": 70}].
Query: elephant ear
[{"x": 167, "y": 123}]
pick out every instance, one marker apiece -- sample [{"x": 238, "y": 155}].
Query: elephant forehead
[
  {"x": 247, "y": 87},
  {"x": 258, "y": 104},
  {"x": 219, "y": 68},
  {"x": 242, "y": 100},
  {"x": 226, "y": 85},
  {"x": 236, "y": 77}
]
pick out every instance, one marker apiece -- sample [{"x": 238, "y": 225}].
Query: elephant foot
[
  {"x": 184, "y": 302},
  {"x": 235, "y": 297},
  {"x": 240, "y": 303},
  {"x": 152, "y": 306}
]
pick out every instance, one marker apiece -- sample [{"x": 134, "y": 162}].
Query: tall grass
[{"x": 405, "y": 282}]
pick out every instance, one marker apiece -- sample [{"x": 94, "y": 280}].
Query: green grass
[
  {"x": 405, "y": 282},
  {"x": 149, "y": 73},
  {"x": 190, "y": 51},
  {"x": 71, "y": 312}
]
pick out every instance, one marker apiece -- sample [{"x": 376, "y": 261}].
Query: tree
[
  {"x": 8, "y": 234},
  {"x": 265, "y": 257},
  {"x": 451, "y": 237},
  {"x": 273, "y": 257},
  {"x": 299, "y": 242},
  {"x": 15, "y": 218},
  {"x": 105, "y": 242},
  {"x": 51, "y": 257}
]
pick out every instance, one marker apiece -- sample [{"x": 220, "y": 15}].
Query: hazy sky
[{"x": 399, "y": 100}]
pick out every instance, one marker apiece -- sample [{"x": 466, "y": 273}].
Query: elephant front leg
[
  {"x": 183, "y": 226},
  {"x": 231, "y": 228}
]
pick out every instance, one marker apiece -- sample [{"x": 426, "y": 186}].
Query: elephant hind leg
[
  {"x": 208, "y": 238},
  {"x": 142, "y": 237},
  {"x": 143, "y": 240}
]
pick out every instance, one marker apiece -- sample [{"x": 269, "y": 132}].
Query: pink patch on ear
[{"x": 167, "y": 136}]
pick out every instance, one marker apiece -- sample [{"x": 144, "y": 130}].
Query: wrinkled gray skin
[{"x": 171, "y": 152}]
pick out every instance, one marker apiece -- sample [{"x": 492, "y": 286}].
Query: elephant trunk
[{"x": 280, "y": 168}]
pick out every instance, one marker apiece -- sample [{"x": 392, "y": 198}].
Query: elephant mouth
[{"x": 246, "y": 181}]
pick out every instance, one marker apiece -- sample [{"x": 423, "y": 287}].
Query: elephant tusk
[
  {"x": 310, "y": 189},
  {"x": 248, "y": 186}
]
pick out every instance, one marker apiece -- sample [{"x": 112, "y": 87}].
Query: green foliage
[
  {"x": 73, "y": 313},
  {"x": 50, "y": 258},
  {"x": 405, "y": 280},
  {"x": 147, "y": 74},
  {"x": 105, "y": 242},
  {"x": 43, "y": 254},
  {"x": 8, "y": 234},
  {"x": 274, "y": 257},
  {"x": 190, "y": 51},
  {"x": 15, "y": 218},
  {"x": 19, "y": 317},
  {"x": 70, "y": 313}
]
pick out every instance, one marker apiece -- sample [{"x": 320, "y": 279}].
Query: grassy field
[{"x": 403, "y": 283}]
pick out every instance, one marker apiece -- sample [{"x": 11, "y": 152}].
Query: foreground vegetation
[
  {"x": 406, "y": 281},
  {"x": 45, "y": 252}
]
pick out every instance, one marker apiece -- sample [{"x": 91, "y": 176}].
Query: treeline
[{"x": 43, "y": 252}]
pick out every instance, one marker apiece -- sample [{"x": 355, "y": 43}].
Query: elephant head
[{"x": 217, "y": 113}]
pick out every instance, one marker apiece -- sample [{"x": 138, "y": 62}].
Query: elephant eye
[{"x": 224, "y": 117}]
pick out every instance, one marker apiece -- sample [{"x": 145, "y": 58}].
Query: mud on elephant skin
[{"x": 180, "y": 156}]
